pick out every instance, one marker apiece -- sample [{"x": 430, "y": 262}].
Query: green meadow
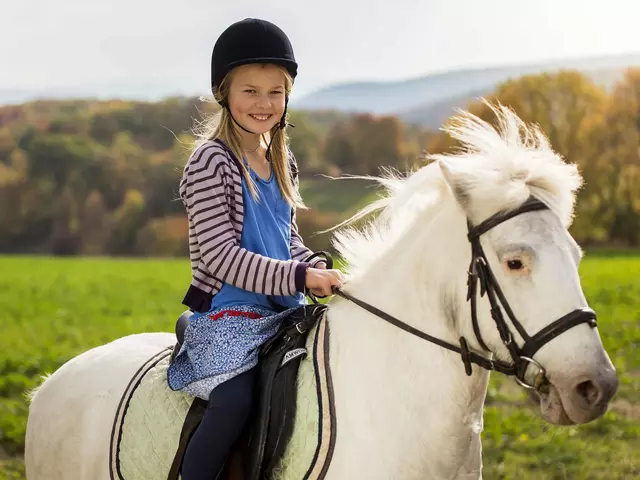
[{"x": 52, "y": 309}]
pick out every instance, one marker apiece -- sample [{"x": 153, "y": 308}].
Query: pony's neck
[{"x": 405, "y": 408}]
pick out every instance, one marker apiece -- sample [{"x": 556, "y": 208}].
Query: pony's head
[{"x": 533, "y": 257}]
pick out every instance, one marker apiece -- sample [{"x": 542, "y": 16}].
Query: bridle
[{"x": 480, "y": 275}]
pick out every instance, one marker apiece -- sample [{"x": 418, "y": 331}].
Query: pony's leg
[{"x": 72, "y": 412}]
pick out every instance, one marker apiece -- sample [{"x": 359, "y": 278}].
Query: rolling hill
[{"x": 430, "y": 99}]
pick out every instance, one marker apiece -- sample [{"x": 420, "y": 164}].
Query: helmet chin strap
[
  {"x": 283, "y": 123},
  {"x": 238, "y": 123}
]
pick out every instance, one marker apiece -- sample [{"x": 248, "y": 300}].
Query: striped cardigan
[{"x": 211, "y": 191}]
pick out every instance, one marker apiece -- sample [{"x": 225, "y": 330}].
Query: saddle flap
[
  {"x": 272, "y": 422},
  {"x": 292, "y": 428}
]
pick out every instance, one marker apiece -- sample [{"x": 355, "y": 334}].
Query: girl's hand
[{"x": 321, "y": 281}]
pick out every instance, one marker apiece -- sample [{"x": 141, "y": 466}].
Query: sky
[{"x": 167, "y": 44}]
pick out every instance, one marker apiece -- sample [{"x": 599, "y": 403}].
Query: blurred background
[{"x": 97, "y": 100}]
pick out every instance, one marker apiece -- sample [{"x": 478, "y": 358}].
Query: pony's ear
[{"x": 458, "y": 180}]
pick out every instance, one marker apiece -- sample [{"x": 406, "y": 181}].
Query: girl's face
[{"x": 257, "y": 96}]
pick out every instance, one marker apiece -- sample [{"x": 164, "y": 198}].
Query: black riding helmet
[{"x": 251, "y": 41}]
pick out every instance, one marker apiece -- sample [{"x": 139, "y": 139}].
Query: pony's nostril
[{"x": 590, "y": 392}]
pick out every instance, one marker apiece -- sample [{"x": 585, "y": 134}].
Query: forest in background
[{"x": 100, "y": 177}]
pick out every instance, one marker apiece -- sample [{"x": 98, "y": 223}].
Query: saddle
[{"x": 270, "y": 425}]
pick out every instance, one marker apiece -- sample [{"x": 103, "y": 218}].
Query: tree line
[
  {"x": 93, "y": 178},
  {"x": 100, "y": 177},
  {"x": 599, "y": 130}
]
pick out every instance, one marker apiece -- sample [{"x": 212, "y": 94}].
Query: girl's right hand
[{"x": 321, "y": 282}]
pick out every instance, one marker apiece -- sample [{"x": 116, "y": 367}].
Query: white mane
[{"x": 494, "y": 170}]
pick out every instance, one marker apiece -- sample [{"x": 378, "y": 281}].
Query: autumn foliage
[
  {"x": 597, "y": 130},
  {"x": 95, "y": 178}
]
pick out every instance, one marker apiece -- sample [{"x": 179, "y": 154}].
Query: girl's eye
[
  {"x": 249, "y": 90},
  {"x": 277, "y": 92}
]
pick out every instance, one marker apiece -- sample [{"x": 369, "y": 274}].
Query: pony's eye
[{"x": 514, "y": 264}]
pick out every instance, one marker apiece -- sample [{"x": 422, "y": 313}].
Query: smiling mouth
[{"x": 260, "y": 117}]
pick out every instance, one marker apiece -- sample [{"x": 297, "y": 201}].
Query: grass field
[
  {"x": 52, "y": 309},
  {"x": 337, "y": 196}
]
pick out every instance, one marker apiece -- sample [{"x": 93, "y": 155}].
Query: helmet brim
[{"x": 290, "y": 65}]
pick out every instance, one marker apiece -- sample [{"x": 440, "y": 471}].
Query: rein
[
  {"x": 468, "y": 357},
  {"x": 480, "y": 274}
]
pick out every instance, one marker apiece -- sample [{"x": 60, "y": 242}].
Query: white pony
[{"x": 405, "y": 407}]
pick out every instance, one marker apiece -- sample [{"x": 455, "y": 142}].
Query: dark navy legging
[{"x": 223, "y": 421}]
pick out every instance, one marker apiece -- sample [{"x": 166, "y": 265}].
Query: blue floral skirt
[{"x": 219, "y": 345}]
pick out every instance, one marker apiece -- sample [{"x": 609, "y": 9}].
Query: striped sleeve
[{"x": 204, "y": 190}]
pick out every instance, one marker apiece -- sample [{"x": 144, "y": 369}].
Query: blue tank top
[{"x": 266, "y": 230}]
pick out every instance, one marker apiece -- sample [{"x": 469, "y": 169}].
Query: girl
[{"x": 239, "y": 188}]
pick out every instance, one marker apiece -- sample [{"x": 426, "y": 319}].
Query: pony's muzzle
[{"x": 587, "y": 397}]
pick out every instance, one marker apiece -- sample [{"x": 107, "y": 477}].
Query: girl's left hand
[{"x": 320, "y": 281}]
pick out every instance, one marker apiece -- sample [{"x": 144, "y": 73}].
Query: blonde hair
[{"x": 220, "y": 125}]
